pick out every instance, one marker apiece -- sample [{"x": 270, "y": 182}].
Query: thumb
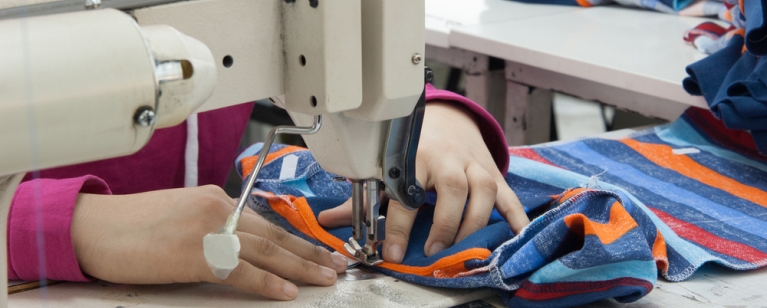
[{"x": 339, "y": 216}]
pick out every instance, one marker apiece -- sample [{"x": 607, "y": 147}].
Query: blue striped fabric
[{"x": 608, "y": 216}]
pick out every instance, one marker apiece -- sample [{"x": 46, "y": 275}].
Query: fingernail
[
  {"x": 290, "y": 290},
  {"x": 340, "y": 261},
  {"x": 328, "y": 273},
  {"x": 436, "y": 248},
  {"x": 395, "y": 253}
]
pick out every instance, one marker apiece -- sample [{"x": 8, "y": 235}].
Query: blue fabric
[
  {"x": 756, "y": 33},
  {"x": 732, "y": 84},
  {"x": 607, "y": 218}
]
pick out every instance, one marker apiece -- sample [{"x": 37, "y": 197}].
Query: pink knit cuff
[
  {"x": 488, "y": 126},
  {"x": 39, "y": 238}
]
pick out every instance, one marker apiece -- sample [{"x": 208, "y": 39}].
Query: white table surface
[
  {"x": 631, "y": 49},
  {"x": 444, "y": 15}
]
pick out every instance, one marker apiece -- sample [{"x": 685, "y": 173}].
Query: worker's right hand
[
  {"x": 454, "y": 161},
  {"x": 156, "y": 237}
]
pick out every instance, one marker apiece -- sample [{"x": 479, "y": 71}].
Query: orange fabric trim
[
  {"x": 584, "y": 3},
  {"x": 662, "y": 156},
  {"x": 742, "y": 10},
  {"x": 620, "y": 223},
  {"x": 301, "y": 216},
  {"x": 659, "y": 252},
  {"x": 248, "y": 163},
  {"x": 449, "y": 266}
]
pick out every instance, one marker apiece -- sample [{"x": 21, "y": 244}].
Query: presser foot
[{"x": 367, "y": 255}]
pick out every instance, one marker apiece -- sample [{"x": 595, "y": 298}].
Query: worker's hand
[
  {"x": 156, "y": 237},
  {"x": 452, "y": 159}
]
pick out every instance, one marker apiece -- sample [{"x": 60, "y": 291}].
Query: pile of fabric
[
  {"x": 708, "y": 37},
  {"x": 681, "y": 7},
  {"x": 733, "y": 79},
  {"x": 607, "y": 216}
]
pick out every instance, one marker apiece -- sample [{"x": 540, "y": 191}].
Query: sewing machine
[{"x": 86, "y": 80}]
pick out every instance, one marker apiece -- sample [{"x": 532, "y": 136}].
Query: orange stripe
[
  {"x": 248, "y": 163},
  {"x": 620, "y": 223},
  {"x": 662, "y": 156},
  {"x": 727, "y": 16},
  {"x": 742, "y": 9},
  {"x": 659, "y": 252},
  {"x": 584, "y": 3},
  {"x": 301, "y": 216}
]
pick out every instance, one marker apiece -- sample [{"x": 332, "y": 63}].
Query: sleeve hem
[
  {"x": 39, "y": 223},
  {"x": 491, "y": 131}
]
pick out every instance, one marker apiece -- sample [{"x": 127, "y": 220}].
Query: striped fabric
[
  {"x": 679, "y": 7},
  {"x": 608, "y": 216}
]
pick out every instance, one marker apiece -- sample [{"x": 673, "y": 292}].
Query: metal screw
[
  {"x": 394, "y": 173},
  {"x": 92, "y": 4},
  {"x": 417, "y": 58},
  {"x": 418, "y": 197},
  {"x": 144, "y": 116},
  {"x": 429, "y": 75}
]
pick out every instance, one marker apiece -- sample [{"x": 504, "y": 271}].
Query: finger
[
  {"x": 482, "y": 193},
  {"x": 267, "y": 255},
  {"x": 249, "y": 278},
  {"x": 508, "y": 205},
  {"x": 399, "y": 222},
  {"x": 339, "y": 216},
  {"x": 452, "y": 188},
  {"x": 259, "y": 226}
]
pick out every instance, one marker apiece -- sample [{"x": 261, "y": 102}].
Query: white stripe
[
  {"x": 289, "y": 164},
  {"x": 192, "y": 152},
  {"x": 685, "y": 151}
]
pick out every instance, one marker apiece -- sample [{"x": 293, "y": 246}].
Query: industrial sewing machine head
[
  {"x": 365, "y": 88},
  {"x": 82, "y": 80}
]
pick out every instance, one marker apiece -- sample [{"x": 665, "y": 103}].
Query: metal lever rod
[
  {"x": 231, "y": 223},
  {"x": 222, "y": 249}
]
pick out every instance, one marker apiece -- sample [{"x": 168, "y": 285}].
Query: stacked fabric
[
  {"x": 680, "y": 7},
  {"x": 733, "y": 79},
  {"x": 608, "y": 216},
  {"x": 708, "y": 37}
]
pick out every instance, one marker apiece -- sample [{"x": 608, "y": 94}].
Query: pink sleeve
[
  {"x": 489, "y": 128},
  {"x": 39, "y": 225}
]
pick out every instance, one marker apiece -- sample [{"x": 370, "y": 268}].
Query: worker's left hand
[{"x": 452, "y": 159}]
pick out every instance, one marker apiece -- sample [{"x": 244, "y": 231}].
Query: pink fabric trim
[
  {"x": 488, "y": 126},
  {"x": 54, "y": 200}
]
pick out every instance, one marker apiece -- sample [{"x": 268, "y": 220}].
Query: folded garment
[
  {"x": 607, "y": 216},
  {"x": 733, "y": 84}
]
